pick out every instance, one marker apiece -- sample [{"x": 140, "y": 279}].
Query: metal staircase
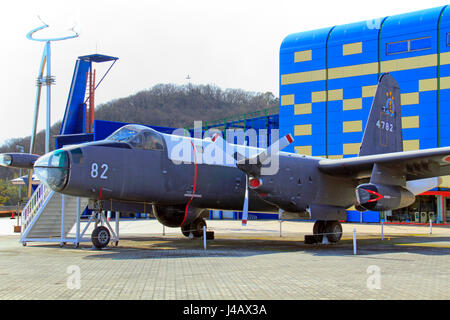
[{"x": 50, "y": 216}]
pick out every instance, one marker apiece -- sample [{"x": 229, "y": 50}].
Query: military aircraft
[{"x": 172, "y": 176}]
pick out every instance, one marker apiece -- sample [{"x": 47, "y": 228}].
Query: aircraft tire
[
  {"x": 197, "y": 227},
  {"x": 186, "y": 230},
  {"x": 334, "y": 230},
  {"x": 100, "y": 237},
  {"x": 318, "y": 229}
]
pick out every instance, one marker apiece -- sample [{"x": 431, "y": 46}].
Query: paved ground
[{"x": 255, "y": 263}]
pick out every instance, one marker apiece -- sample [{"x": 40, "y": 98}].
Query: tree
[{"x": 4, "y": 195}]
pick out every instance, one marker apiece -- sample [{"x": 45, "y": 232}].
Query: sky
[{"x": 231, "y": 44}]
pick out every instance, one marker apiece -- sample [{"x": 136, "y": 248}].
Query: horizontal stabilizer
[
  {"x": 417, "y": 164},
  {"x": 422, "y": 185}
]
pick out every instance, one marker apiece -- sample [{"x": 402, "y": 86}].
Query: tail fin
[{"x": 383, "y": 132}]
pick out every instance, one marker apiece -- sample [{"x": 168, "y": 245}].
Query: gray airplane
[{"x": 171, "y": 176}]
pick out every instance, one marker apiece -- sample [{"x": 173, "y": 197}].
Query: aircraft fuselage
[{"x": 121, "y": 173}]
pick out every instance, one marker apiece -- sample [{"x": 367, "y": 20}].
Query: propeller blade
[
  {"x": 245, "y": 211},
  {"x": 276, "y": 147},
  {"x": 217, "y": 138}
]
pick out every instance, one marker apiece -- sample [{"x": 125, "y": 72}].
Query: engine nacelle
[
  {"x": 379, "y": 197},
  {"x": 176, "y": 216}
]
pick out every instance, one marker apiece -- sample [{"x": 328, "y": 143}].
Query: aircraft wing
[{"x": 418, "y": 164}]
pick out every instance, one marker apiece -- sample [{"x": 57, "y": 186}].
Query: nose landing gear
[{"x": 101, "y": 236}]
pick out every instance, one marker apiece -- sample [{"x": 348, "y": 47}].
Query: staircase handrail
[{"x": 33, "y": 204}]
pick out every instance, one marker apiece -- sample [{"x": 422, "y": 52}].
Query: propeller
[
  {"x": 245, "y": 209},
  {"x": 252, "y": 166}
]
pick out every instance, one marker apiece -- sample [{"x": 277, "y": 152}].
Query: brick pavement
[{"x": 264, "y": 268}]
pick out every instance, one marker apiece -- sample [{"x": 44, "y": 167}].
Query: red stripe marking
[
  {"x": 100, "y": 189},
  {"x": 195, "y": 184},
  {"x": 213, "y": 138},
  {"x": 289, "y": 138},
  {"x": 375, "y": 193}
]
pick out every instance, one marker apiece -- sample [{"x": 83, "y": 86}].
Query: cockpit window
[
  {"x": 124, "y": 134},
  {"x": 139, "y": 137},
  {"x": 147, "y": 140}
]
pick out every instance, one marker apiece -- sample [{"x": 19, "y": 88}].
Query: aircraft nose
[{"x": 53, "y": 169}]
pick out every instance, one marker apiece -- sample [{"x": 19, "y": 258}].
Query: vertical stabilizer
[{"x": 383, "y": 132}]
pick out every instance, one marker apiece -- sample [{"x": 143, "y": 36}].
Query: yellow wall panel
[
  {"x": 369, "y": 68},
  {"x": 337, "y": 156},
  {"x": 351, "y": 148},
  {"x": 301, "y": 77},
  {"x": 335, "y": 95},
  {"x": 409, "y": 63},
  {"x": 301, "y": 56},
  {"x": 428, "y": 84},
  {"x": 409, "y": 98},
  {"x": 287, "y": 100},
  {"x": 362, "y": 69},
  {"x": 333, "y": 73},
  {"x": 445, "y": 58},
  {"x": 445, "y": 82},
  {"x": 303, "y": 108},
  {"x": 409, "y": 145},
  {"x": 410, "y": 122},
  {"x": 353, "y": 71},
  {"x": 352, "y": 126},
  {"x": 307, "y": 150},
  {"x": 369, "y": 91},
  {"x": 352, "y": 104},
  {"x": 318, "y": 75},
  {"x": 303, "y": 130},
  {"x": 318, "y": 96},
  {"x": 351, "y": 48}
]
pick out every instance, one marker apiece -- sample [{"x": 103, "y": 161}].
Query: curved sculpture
[{"x": 30, "y": 34}]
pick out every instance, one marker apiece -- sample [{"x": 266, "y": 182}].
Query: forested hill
[
  {"x": 162, "y": 105},
  {"x": 179, "y": 106}
]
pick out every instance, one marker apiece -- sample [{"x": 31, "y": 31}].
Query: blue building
[{"x": 328, "y": 79}]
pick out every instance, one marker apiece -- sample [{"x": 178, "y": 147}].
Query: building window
[
  {"x": 397, "y": 47},
  {"x": 409, "y": 45}
]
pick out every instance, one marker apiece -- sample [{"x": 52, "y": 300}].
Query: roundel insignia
[
  {"x": 446, "y": 159},
  {"x": 390, "y": 106}
]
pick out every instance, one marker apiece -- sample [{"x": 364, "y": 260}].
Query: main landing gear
[
  {"x": 195, "y": 227},
  {"x": 331, "y": 229}
]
